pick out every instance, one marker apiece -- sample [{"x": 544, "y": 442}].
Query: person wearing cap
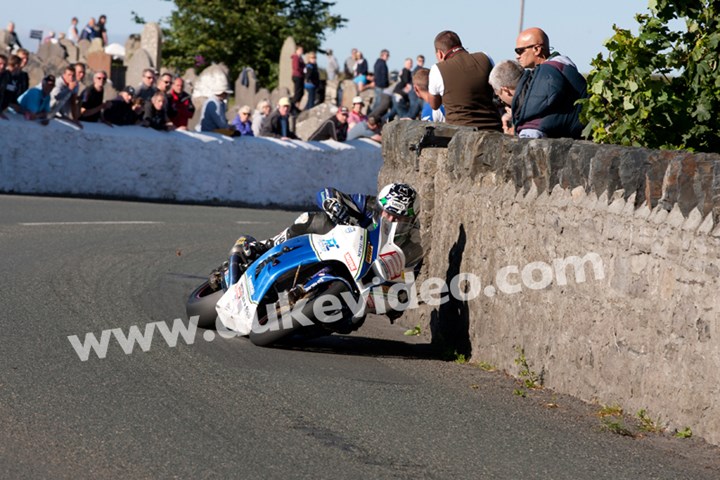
[
  {"x": 335, "y": 127},
  {"x": 277, "y": 124},
  {"x": 356, "y": 116},
  {"x": 121, "y": 110},
  {"x": 213, "y": 114},
  {"x": 242, "y": 122},
  {"x": 35, "y": 102}
]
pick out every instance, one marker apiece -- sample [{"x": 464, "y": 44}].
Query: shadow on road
[{"x": 361, "y": 346}]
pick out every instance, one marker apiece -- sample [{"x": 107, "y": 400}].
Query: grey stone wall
[{"x": 640, "y": 330}]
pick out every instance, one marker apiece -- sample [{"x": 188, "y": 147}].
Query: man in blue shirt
[{"x": 35, "y": 102}]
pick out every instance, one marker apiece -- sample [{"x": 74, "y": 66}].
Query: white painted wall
[{"x": 141, "y": 163}]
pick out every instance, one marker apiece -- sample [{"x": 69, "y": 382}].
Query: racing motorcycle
[{"x": 311, "y": 284}]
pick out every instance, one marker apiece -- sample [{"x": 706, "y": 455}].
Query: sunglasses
[
  {"x": 520, "y": 50},
  {"x": 101, "y": 78}
]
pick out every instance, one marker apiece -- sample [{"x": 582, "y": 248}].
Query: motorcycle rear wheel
[{"x": 201, "y": 302}]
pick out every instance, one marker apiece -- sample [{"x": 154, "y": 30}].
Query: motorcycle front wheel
[
  {"x": 201, "y": 302},
  {"x": 265, "y": 335}
]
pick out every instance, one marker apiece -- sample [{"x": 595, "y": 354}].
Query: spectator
[
  {"x": 165, "y": 82},
  {"x": 544, "y": 101},
  {"x": 91, "y": 103},
  {"x": 50, "y": 38},
  {"x": 504, "y": 79},
  {"x": 12, "y": 40},
  {"x": 298, "y": 76},
  {"x": 64, "y": 97},
  {"x": 4, "y": 77},
  {"x": 89, "y": 31},
  {"x": 382, "y": 76},
  {"x": 360, "y": 71},
  {"x": 349, "y": 65},
  {"x": 405, "y": 102},
  {"x": 420, "y": 85},
  {"x": 80, "y": 70},
  {"x": 277, "y": 124},
  {"x": 332, "y": 70},
  {"x": 122, "y": 110},
  {"x": 213, "y": 113},
  {"x": 242, "y": 122},
  {"x": 335, "y": 127},
  {"x": 147, "y": 87},
  {"x": 35, "y": 102},
  {"x": 155, "y": 114},
  {"x": 101, "y": 29},
  {"x": 356, "y": 116},
  {"x": 16, "y": 83},
  {"x": 312, "y": 79},
  {"x": 72, "y": 34},
  {"x": 369, "y": 128},
  {"x": 262, "y": 111},
  {"x": 420, "y": 61},
  {"x": 180, "y": 106},
  {"x": 460, "y": 82}
]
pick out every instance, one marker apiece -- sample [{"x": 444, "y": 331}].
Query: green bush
[{"x": 661, "y": 88}]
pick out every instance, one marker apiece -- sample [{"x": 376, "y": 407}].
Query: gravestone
[
  {"x": 96, "y": 45},
  {"x": 190, "y": 78},
  {"x": 109, "y": 92},
  {"x": 331, "y": 90},
  {"x": 285, "y": 72},
  {"x": 309, "y": 121},
  {"x": 262, "y": 94},
  {"x": 35, "y": 72},
  {"x": 97, "y": 61},
  {"x": 245, "y": 95},
  {"x": 139, "y": 62},
  {"x": 49, "y": 51},
  {"x": 83, "y": 46},
  {"x": 349, "y": 90},
  {"x": 150, "y": 41},
  {"x": 277, "y": 94},
  {"x": 132, "y": 45},
  {"x": 71, "y": 50}
]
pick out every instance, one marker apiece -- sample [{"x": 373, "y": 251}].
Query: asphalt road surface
[{"x": 374, "y": 404}]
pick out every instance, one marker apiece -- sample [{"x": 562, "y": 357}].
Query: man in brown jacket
[{"x": 459, "y": 81}]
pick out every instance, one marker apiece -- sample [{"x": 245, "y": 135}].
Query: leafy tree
[
  {"x": 243, "y": 33},
  {"x": 661, "y": 88}
]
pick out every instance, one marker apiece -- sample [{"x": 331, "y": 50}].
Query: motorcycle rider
[{"x": 396, "y": 202}]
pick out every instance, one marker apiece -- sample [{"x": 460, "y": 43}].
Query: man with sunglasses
[
  {"x": 544, "y": 101},
  {"x": 92, "y": 103}
]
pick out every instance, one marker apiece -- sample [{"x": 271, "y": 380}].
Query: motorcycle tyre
[
  {"x": 201, "y": 302},
  {"x": 264, "y": 339}
]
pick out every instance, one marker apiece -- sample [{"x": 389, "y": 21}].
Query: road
[{"x": 375, "y": 404}]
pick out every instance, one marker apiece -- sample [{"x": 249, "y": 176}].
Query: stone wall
[
  {"x": 140, "y": 163},
  {"x": 640, "y": 329}
]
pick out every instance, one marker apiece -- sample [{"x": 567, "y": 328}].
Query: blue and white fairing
[{"x": 354, "y": 248}]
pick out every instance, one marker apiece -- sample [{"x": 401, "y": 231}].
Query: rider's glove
[{"x": 337, "y": 212}]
